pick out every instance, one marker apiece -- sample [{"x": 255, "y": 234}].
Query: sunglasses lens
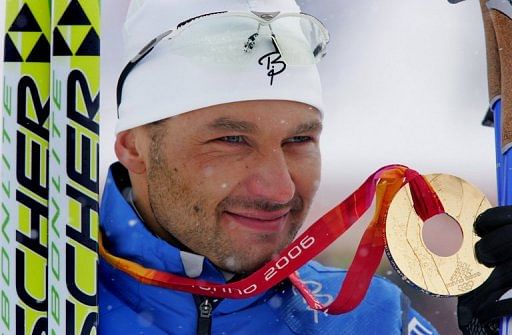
[
  {"x": 237, "y": 40},
  {"x": 301, "y": 40},
  {"x": 223, "y": 40}
]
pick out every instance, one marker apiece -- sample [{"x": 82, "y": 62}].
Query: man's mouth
[{"x": 261, "y": 221}]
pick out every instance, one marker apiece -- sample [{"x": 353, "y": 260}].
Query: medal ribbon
[{"x": 384, "y": 183}]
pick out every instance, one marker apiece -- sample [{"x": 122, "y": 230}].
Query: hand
[{"x": 479, "y": 310}]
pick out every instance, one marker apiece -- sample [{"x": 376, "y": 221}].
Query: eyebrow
[
  {"x": 310, "y": 126},
  {"x": 225, "y": 123}
]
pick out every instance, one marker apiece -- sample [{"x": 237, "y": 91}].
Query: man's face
[{"x": 234, "y": 182}]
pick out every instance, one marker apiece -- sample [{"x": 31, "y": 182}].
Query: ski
[
  {"x": 74, "y": 154},
  {"x": 24, "y": 191}
]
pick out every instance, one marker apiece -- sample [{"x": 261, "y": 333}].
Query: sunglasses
[{"x": 234, "y": 38}]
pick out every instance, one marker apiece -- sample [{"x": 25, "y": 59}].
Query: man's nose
[{"x": 271, "y": 178}]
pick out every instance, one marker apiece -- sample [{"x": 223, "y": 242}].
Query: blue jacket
[{"x": 128, "y": 307}]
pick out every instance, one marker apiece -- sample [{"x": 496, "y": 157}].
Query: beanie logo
[{"x": 273, "y": 63}]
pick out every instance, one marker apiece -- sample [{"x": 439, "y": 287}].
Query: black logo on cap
[{"x": 273, "y": 62}]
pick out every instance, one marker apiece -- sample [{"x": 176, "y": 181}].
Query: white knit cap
[{"x": 165, "y": 84}]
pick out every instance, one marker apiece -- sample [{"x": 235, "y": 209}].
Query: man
[{"x": 217, "y": 140}]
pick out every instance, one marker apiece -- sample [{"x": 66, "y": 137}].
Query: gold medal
[{"x": 437, "y": 275}]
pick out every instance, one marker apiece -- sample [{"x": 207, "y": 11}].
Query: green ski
[
  {"x": 74, "y": 150},
  {"x": 24, "y": 194}
]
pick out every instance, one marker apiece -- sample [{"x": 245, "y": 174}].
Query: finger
[
  {"x": 496, "y": 247},
  {"x": 492, "y": 219}
]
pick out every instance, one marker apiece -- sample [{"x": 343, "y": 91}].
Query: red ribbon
[{"x": 384, "y": 183}]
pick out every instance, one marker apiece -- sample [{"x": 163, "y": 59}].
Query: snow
[
  {"x": 145, "y": 319},
  {"x": 275, "y": 302}
]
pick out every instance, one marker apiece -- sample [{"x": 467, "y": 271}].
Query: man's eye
[
  {"x": 233, "y": 139},
  {"x": 299, "y": 139}
]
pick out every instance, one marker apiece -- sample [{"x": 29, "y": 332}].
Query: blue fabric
[{"x": 129, "y": 307}]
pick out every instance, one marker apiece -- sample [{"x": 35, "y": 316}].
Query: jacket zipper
[{"x": 205, "y": 307}]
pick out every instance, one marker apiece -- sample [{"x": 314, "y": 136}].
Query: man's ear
[{"x": 128, "y": 151}]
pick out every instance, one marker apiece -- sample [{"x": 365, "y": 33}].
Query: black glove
[{"x": 479, "y": 311}]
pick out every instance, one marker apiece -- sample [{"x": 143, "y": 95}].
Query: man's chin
[
  {"x": 254, "y": 254},
  {"x": 249, "y": 264},
  {"x": 239, "y": 267}
]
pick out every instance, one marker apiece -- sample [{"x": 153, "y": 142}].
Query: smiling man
[
  {"x": 220, "y": 115},
  {"x": 232, "y": 181}
]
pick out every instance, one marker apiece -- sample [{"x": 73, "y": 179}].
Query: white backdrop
[{"x": 404, "y": 82}]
